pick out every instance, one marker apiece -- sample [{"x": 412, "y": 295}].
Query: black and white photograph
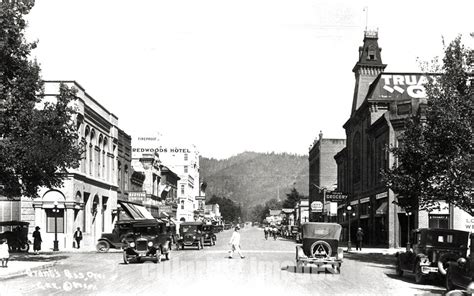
[{"x": 224, "y": 147}]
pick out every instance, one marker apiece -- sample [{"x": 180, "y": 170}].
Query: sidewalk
[{"x": 17, "y": 268}]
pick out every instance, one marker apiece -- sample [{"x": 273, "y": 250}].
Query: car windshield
[
  {"x": 147, "y": 230},
  {"x": 322, "y": 230},
  {"x": 189, "y": 228}
]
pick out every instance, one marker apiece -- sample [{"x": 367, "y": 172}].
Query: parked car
[
  {"x": 17, "y": 235},
  {"x": 145, "y": 241},
  {"x": 294, "y": 231},
  {"x": 190, "y": 234},
  {"x": 432, "y": 251},
  {"x": 320, "y": 247},
  {"x": 126, "y": 228},
  {"x": 209, "y": 235},
  {"x": 461, "y": 273}
]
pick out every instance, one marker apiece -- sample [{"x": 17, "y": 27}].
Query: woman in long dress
[{"x": 37, "y": 240}]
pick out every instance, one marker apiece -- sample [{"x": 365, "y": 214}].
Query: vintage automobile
[
  {"x": 190, "y": 234},
  {"x": 146, "y": 241},
  {"x": 294, "y": 230},
  {"x": 432, "y": 250},
  {"x": 461, "y": 273},
  {"x": 208, "y": 233},
  {"x": 320, "y": 247},
  {"x": 125, "y": 228},
  {"x": 17, "y": 235}
]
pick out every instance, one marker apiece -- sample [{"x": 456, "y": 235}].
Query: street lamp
[
  {"x": 408, "y": 230},
  {"x": 55, "y": 211},
  {"x": 349, "y": 210}
]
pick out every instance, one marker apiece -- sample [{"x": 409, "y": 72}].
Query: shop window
[
  {"x": 438, "y": 221},
  {"x": 182, "y": 189},
  {"x": 403, "y": 109},
  {"x": 50, "y": 225},
  {"x": 185, "y": 169}
]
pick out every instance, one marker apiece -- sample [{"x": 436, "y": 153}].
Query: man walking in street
[
  {"x": 235, "y": 243},
  {"x": 360, "y": 238},
  {"x": 78, "y": 237}
]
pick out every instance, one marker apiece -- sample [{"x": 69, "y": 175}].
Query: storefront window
[{"x": 50, "y": 220}]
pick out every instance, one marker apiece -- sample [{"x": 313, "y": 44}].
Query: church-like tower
[{"x": 367, "y": 68}]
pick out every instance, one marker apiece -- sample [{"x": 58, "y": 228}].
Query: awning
[{"x": 382, "y": 209}]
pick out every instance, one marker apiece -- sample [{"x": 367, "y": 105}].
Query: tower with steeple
[{"x": 367, "y": 68}]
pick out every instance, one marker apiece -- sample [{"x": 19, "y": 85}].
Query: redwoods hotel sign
[{"x": 149, "y": 145}]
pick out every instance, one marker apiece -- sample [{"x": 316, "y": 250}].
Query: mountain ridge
[{"x": 252, "y": 178}]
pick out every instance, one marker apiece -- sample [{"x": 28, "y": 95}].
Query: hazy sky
[{"x": 233, "y": 76}]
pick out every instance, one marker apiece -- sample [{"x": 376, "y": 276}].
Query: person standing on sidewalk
[
  {"x": 37, "y": 240},
  {"x": 78, "y": 237},
  {"x": 4, "y": 254},
  {"x": 235, "y": 243},
  {"x": 360, "y": 238}
]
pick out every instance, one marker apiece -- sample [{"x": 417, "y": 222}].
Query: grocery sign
[{"x": 336, "y": 196}]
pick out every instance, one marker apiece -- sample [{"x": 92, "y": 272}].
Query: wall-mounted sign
[
  {"x": 336, "y": 196},
  {"x": 316, "y": 207}
]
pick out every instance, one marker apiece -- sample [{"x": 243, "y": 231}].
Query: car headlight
[
  {"x": 207, "y": 235},
  {"x": 194, "y": 237},
  {"x": 150, "y": 244},
  {"x": 132, "y": 244}
]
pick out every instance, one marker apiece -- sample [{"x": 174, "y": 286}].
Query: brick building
[
  {"x": 322, "y": 171},
  {"x": 381, "y": 104}
]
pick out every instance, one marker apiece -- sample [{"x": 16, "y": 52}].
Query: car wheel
[
  {"x": 419, "y": 277},
  {"x": 102, "y": 247},
  {"x": 398, "y": 268},
  {"x": 449, "y": 283},
  {"x": 126, "y": 260},
  {"x": 25, "y": 247}
]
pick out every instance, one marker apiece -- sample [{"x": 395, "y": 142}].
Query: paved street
[{"x": 267, "y": 268}]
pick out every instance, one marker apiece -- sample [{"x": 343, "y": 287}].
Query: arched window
[
  {"x": 126, "y": 178},
  {"x": 85, "y": 162},
  {"x": 119, "y": 173},
  {"x": 99, "y": 157},
  {"x": 356, "y": 157},
  {"x": 105, "y": 162},
  {"x": 91, "y": 152}
]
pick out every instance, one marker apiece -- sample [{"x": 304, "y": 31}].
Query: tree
[
  {"x": 38, "y": 138},
  {"x": 292, "y": 199},
  {"x": 435, "y": 155},
  {"x": 230, "y": 211}
]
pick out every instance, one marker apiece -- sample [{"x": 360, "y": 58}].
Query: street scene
[
  {"x": 236, "y": 147},
  {"x": 268, "y": 267}
]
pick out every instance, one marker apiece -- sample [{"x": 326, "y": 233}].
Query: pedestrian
[
  {"x": 275, "y": 232},
  {"x": 235, "y": 243},
  {"x": 78, "y": 237},
  {"x": 360, "y": 238},
  {"x": 4, "y": 254},
  {"x": 37, "y": 240},
  {"x": 266, "y": 230}
]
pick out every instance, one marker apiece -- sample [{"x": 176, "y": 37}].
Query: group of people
[
  {"x": 270, "y": 231},
  {"x": 37, "y": 240}
]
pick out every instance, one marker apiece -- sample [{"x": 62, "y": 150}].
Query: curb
[{"x": 25, "y": 271}]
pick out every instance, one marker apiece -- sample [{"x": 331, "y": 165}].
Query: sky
[{"x": 234, "y": 76}]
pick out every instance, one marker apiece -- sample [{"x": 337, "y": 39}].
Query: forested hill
[{"x": 253, "y": 178}]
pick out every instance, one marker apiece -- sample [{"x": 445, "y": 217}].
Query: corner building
[
  {"x": 88, "y": 197},
  {"x": 381, "y": 104}
]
